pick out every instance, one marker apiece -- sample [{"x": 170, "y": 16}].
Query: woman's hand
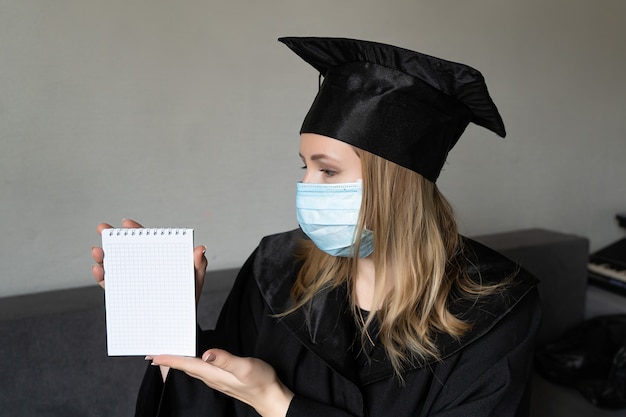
[
  {"x": 249, "y": 380},
  {"x": 97, "y": 270}
]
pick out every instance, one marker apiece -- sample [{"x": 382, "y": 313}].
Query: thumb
[
  {"x": 220, "y": 358},
  {"x": 241, "y": 368},
  {"x": 210, "y": 356},
  {"x": 200, "y": 264}
]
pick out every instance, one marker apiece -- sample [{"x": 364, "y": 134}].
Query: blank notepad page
[{"x": 149, "y": 291}]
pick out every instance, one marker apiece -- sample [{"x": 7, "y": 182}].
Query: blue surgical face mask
[{"x": 328, "y": 214}]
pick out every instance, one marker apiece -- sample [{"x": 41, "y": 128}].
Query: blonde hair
[{"x": 417, "y": 245}]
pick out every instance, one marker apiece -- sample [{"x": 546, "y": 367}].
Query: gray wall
[{"x": 186, "y": 113}]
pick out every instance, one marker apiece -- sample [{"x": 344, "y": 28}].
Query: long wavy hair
[{"x": 417, "y": 246}]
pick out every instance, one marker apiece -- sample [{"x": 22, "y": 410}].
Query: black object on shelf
[
  {"x": 607, "y": 267},
  {"x": 591, "y": 357}
]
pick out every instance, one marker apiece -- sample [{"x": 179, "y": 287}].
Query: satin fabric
[{"x": 404, "y": 106}]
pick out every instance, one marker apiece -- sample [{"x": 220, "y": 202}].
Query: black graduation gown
[{"x": 484, "y": 374}]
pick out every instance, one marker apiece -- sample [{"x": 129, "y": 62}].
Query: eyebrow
[{"x": 318, "y": 156}]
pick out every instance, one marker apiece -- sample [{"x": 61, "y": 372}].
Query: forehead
[{"x": 311, "y": 143}]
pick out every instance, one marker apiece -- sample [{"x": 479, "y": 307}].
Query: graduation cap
[{"x": 404, "y": 106}]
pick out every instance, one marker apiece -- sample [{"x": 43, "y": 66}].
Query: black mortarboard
[{"x": 404, "y": 106}]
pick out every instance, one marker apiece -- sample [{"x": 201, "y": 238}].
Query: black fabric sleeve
[
  {"x": 150, "y": 393},
  {"x": 182, "y": 395},
  {"x": 304, "y": 407}
]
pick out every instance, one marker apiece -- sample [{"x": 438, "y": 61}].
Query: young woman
[{"x": 375, "y": 306}]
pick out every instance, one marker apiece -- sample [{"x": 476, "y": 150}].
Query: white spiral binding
[{"x": 163, "y": 231}]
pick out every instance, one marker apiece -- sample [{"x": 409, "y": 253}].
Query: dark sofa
[
  {"x": 54, "y": 358},
  {"x": 53, "y": 347}
]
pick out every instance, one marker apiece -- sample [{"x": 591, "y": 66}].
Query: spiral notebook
[{"x": 149, "y": 291}]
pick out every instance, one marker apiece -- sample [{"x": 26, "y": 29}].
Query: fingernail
[
  {"x": 210, "y": 357},
  {"x": 148, "y": 358}
]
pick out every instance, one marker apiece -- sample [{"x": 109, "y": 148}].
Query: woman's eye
[{"x": 326, "y": 172}]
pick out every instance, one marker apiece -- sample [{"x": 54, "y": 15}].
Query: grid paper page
[{"x": 149, "y": 291}]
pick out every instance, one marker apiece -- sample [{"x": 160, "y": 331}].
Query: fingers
[
  {"x": 199, "y": 260},
  {"x": 200, "y": 264},
  {"x": 103, "y": 226},
  {"x": 240, "y": 367},
  {"x": 191, "y": 366},
  {"x": 130, "y": 224},
  {"x": 98, "y": 274},
  {"x": 97, "y": 270},
  {"x": 173, "y": 361},
  {"x": 126, "y": 223},
  {"x": 97, "y": 254},
  {"x": 249, "y": 380},
  {"x": 217, "y": 357},
  {"x": 214, "y": 372},
  {"x": 211, "y": 356}
]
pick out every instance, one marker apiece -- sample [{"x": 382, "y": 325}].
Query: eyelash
[{"x": 328, "y": 172}]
